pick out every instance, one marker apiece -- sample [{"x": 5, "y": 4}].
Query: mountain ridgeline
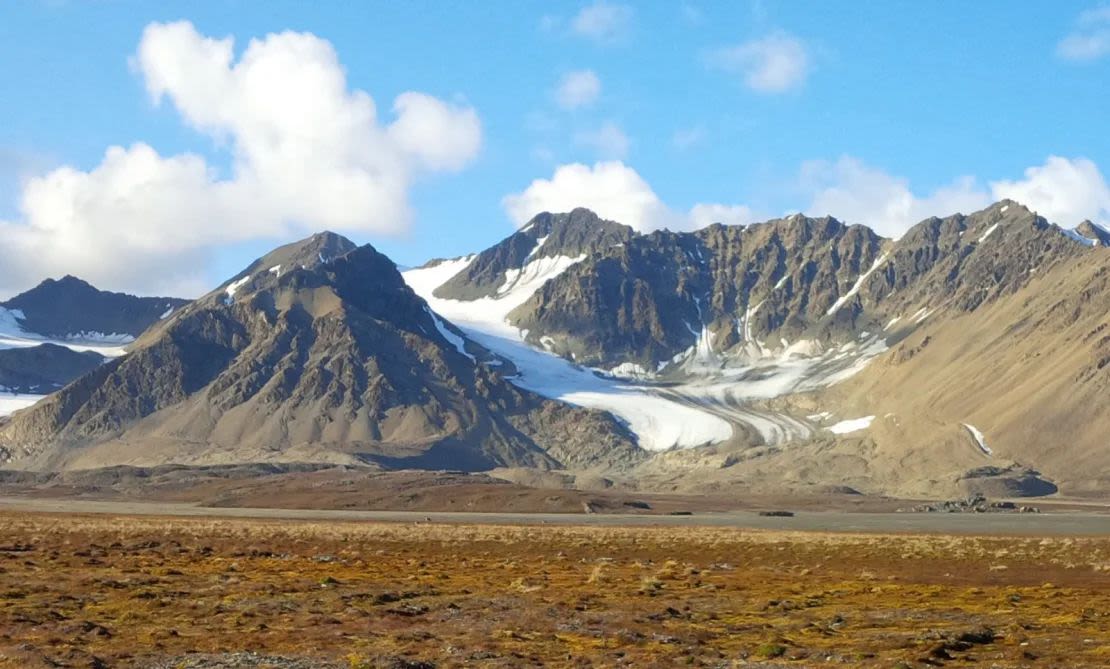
[
  {"x": 70, "y": 307},
  {"x": 757, "y": 290},
  {"x": 969, "y": 355},
  {"x": 316, "y": 352}
]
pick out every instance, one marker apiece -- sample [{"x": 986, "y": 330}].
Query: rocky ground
[{"x": 973, "y": 504}]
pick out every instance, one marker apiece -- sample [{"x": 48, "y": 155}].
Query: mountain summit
[{"x": 71, "y": 307}]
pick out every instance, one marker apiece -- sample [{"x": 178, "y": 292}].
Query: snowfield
[
  {"x": 659, "y": 423},
  {"x": 695, "y": 413},
  {"x": 12, "y": 335},
  {"x": 11, "y": 402}
]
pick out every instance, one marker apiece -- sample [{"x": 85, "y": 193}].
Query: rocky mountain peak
[
  {"x": 317, "y": 249},
  {"x": 571, "y": 235},
  {"x": 306, "y": 255},
  {"x": 1094, "y": 232}
]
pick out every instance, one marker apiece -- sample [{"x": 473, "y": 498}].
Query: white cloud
[
  {"x": 702, "y": 215},
  {"x": 1064, "y": 191},
  {"x": 608, "y": 140},
  {"x": 1090, "y": 40},
  {"x": 603, "y": 22},
  {"x": 580, "y": 88},
  {"x": 855, "y": 192},
  {"x": 613, "y": 191},
  {"x": 439, "y": 136},
  {"x": 776, "y": 63},
  {"x": 306, "y": 153}
]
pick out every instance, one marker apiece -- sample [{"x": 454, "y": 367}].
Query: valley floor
[{"x": 133, "y": 591}]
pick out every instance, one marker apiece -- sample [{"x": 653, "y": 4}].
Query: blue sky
[{"x": 878, "y": 113}]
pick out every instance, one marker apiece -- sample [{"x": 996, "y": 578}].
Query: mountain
[
  {"x": 69, "y": 308},
  {"x": 742, "y": 293},
  {"x": 62, "y": 329},
  {"x": 43, "y": 368},
  {"x": 316, "y": 352},
  {"x": 774, "y": 346}
]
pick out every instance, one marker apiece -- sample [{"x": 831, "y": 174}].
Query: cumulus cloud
[
  {"x": 603, "y": 22},
  {"x": 858, "y": 193},
  {"x": 306, "y": 153},
  {"x": 608, "y": 140},
  {"x": 776, "y": 63},
  {"x": 613, "y": 191},
  {"x": 1090, "y": 40},
  {"x": 702, "y": 215},
  {"x": 1064, "y": 191},
  {"x": 580, "y": 88}
]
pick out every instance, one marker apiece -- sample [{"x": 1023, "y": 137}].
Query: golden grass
[{"x": 128, "y": 591}]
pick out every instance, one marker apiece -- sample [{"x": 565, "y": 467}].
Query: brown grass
[{"x": 131, "y": 591}]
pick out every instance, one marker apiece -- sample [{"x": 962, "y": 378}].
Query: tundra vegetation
[{"x": 100, "y": 591}]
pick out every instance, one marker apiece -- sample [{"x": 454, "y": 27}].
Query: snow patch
[
  {"x": 535, "y": 249},
  {"x": 988, "y": 233},
  {"x": 276, "y": 269},
  {"x": 980, "y": 440},
  {"x": 521, "y": 284},
  {"x": 1075, "y": 236},
  {"x": 851, "y": 425},
  {"x": 746, "y": 324},
  {"x": 234, "y": 286},
  {"x": 166, "y": 314},
  {"x": 455, "y": 340},
  {"x": 921, "y": 314},
  {"x": 630, "y": 370},
  {"x": 858, "y": 284}
]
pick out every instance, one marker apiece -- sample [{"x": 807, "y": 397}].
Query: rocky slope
[
  {"x": 44, "y": 368},
  {"x": 729, "y": 294},
  {"x": 317, "y": 352},
  {"x": 548, "y": 236}
]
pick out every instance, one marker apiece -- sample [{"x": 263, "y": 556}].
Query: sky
[{"x": 158, "y": 148}]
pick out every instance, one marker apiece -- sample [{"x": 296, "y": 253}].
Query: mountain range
[{"x": 799, "y": 354}]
